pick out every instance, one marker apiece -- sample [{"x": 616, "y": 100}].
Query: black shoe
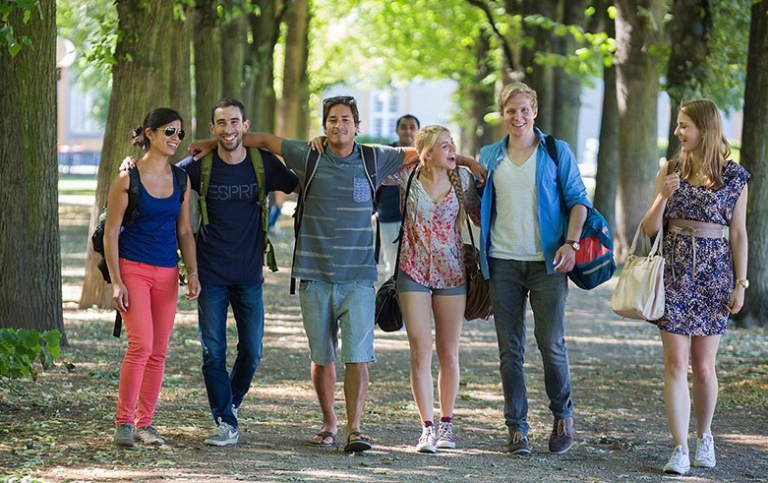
[{"x": 561, "y": 439}]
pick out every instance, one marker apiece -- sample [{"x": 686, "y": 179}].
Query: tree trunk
[
  {"x": 481, "y": 98},
  {"x": 567, "y": 87},
  {"x": 30, "y": 252},
  {"x": 181, "y": 80},
  {"x": 637, "y": 27},
  {"x": 607, "y": 155},
  {"x": 294, "y": 105},
  {"x": 537, "y": 76},
  {"x": 140, "y": 82},
  {"x": 208, "y": 64},
  {"x": 754, "y": 152},
  {"x": 265, "y": 28},
  {"x": 686, "y": 73},
  {"x": 233, "y": 42}
]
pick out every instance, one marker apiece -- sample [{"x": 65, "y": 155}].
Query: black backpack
[{"x": 97, "y": 238}]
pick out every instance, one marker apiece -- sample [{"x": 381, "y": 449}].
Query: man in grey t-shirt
[{"x": 335, "y": 259}]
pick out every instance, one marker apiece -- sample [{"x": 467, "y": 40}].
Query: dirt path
[{"x": 59, "y": 429}]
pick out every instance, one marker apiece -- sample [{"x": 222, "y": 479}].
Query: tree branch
[{"x": 482, "y": 5}]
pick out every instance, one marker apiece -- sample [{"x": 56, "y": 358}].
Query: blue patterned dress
[{"x": 696, "y": 302}]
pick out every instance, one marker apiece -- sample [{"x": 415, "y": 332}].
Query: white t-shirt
[{"x": 515, "y": 231}]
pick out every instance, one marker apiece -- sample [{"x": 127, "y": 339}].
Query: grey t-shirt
[{"x": 336, "y": 240}]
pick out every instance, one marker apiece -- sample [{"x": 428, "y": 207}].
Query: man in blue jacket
[{"x": 526, "y": 251}]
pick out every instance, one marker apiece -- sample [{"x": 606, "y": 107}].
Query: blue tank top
[{"x": 151, "y": 238}]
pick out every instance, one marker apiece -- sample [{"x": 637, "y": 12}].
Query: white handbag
[{"x": 639, "y": 293}]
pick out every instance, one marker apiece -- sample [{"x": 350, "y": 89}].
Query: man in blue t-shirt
[{"x": 230, "y": 258}]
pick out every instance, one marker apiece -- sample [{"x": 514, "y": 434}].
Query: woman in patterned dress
[
  {"x": 431, "y": 279},
  {"x": 697, "y": 194}
]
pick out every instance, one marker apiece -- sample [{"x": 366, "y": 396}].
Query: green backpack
[{"x": 258, "y": 168}]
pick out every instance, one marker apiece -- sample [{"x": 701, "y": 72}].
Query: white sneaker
[
  {"x": 445, "y": 436},
  {"x": 678, "y": 463},
  {"x": 427, "y": 441},
  {"x": 235, "y": 410},
  {"x": 224, "y": 435},
  {"x": 705, "y": 452}
]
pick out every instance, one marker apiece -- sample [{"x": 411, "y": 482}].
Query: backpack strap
[
  {"x": 205, "y": 179},
  {"x": 132, "y": 209},
  {"x": 258, "y": 168},
  {"x": 399, "y": 238},
  {"x": 181, "y": 178},
  {"x": 552, "y": 148},
  {"x": 371, "y": 171},
  {"x": 310, "y": 167}
]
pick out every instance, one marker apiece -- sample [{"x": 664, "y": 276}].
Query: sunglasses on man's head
[
  {"x": 339, "y": 99},
  {"x": 170, "y": 131}
]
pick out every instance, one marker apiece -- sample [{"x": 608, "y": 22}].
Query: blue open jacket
[{"x": 553, "y": 217}]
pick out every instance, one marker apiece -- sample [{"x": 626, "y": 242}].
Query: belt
[{"x": 694, "y": 229}]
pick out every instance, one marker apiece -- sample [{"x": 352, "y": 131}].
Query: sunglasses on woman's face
[{"x": 170, "y": 131}]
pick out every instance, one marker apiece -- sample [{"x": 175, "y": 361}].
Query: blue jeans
[
  {"x": 511, "y": 283},
  {"x": 226, "y": 390}
]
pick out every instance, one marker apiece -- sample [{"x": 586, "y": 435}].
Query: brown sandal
[
  {"x": 359, "y": 444},
  {"x": 323, "y": 435}
]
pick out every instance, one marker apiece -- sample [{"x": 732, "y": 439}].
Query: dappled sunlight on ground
[{"x": 59, "y": 429}]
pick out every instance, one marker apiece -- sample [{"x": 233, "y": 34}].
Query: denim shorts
[
  {"x": 326, "y": 308},
  {"x": 407, "y": 284}
]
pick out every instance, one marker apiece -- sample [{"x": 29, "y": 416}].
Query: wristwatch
[
  {"x": 743, "y": 282},
  {"x": 575, "y": 245}
]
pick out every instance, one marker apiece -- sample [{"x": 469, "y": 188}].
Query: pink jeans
[{"x": 152, "y": 298}]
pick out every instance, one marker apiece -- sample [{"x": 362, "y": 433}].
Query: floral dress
[
  {"x": 431, "y": 252},
  {"x": 696, "y": 303}
]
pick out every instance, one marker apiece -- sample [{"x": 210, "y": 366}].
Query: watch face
[
  {"x": 744, "y": 283},
  {"x": 574, "y": 244}
]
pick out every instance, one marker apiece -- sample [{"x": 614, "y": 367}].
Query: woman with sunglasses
[{"x": 143, "y": 266}]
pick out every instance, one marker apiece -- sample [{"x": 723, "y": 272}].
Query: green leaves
[
  {"x": 7, "y": 36},
  {"x": 19, "y": 349}
]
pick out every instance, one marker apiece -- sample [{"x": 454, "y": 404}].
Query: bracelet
[{"x": 191, "y": 273}]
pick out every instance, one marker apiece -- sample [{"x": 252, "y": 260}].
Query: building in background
[{"x": 79, "y": 136}]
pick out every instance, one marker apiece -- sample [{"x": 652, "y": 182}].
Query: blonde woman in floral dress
[{"x": 431, "y": 279}]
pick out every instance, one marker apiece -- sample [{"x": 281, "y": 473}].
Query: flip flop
[
  {"x": 323, "y": 435},
  {"x": 359, "y": 444}
]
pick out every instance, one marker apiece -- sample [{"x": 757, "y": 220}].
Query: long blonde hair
[
  {"x": 714, "y": 147},
  {"x": 425, "y": 140}
]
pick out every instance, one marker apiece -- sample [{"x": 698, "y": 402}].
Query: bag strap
[
  {"x": 180, "y": 178},
  {"x": 258, "y": 168},
  {"x": 369, "y": 163},
  {"x": 134, "y": 182},
  {"x": 205, "y": 178},
  {"x": 656, "y": 248},
  {"x": 399, "y": 238},
  {"x": 310, "y": 168}
]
